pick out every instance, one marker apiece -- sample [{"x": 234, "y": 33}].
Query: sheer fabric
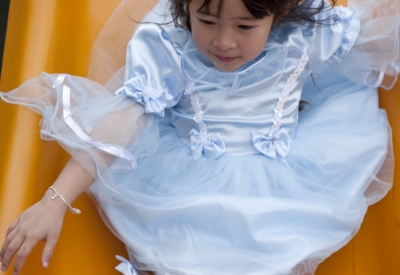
[
  {"x": 377, "y": 49},
  {"x": 236, "y": 214}
]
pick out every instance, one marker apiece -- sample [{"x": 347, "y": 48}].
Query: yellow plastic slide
[{"x": 57, "y": 36}]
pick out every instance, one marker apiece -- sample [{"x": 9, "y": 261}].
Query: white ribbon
[
  {"x": 125, "y": 267},
  {"x": 66, "y": 102},
  {"x": 382, "y": 72}
]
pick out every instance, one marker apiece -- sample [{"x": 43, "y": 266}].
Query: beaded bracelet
[{"x": 73, "y": 210}]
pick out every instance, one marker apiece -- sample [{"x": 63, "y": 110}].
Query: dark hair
[{"x": 300, "y": 13}]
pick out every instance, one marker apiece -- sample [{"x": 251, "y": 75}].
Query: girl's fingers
[
  {"x": 12, "y": 247},
  {"x": 48, "y": 250},
  {"x": 23, "y": 252},
  {"x": 12, "y": 226},
  {"x": 9, "y": 237}
]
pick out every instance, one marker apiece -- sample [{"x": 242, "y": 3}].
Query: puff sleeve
[
  {"x": 376, "y": 51},
  {"x": 153, "y": 72},
  {"x": 332, "y": 38}
]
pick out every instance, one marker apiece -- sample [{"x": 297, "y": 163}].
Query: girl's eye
[
  {"x": 244, "y": 27},
  {"x": 206, "y": 22}
]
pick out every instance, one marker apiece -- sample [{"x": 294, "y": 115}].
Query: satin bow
[
  {"x": 153, "y": 99},
  {"x": 212, "y": 146},
  {"x": 125, "y": 267},
  {"x": 271, "y": 145}
]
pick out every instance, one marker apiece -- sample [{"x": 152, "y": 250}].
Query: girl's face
[{"x": 232, "y": 38}]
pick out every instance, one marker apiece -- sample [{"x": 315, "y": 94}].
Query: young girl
[{"x": 202, "y": 162}]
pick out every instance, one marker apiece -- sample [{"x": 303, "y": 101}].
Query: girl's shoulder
[
  {"x": 153, "y": 73},
  {"x": 329, "y": 37}
]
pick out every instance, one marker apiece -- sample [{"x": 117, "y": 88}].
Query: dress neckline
[{"x": 270, "y": 64}]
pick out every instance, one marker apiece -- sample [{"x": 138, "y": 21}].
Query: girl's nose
[{"x": 224, "y": 40}]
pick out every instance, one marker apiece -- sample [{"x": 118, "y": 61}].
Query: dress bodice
[
  {"x": 244, "y": 101},
  {"x": 253, "y": 110}
]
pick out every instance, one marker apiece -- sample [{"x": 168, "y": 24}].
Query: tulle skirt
[
  {"x": 252, "y": 214},
  {"x": 237, "y": 214}
]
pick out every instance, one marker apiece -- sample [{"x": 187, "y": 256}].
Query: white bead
[{"x": 291, "y": 82}]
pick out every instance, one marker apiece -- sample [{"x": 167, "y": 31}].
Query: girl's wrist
[{"x": 57, "y": 204}]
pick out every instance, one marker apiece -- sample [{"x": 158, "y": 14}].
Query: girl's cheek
[
  {"x": 253, "y": 50},
  {"x": 200, "y": 43}
]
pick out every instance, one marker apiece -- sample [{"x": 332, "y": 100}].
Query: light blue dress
[{"x": 219, "y": 173}]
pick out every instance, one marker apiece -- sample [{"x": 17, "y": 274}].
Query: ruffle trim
[{"x": 153, "y": 99}]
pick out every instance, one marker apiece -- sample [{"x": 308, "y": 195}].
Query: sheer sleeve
[
  {"x": 376, "y": 50},
  {"x": 106, "y": 128},
  {"x": 153, "y": 72}
]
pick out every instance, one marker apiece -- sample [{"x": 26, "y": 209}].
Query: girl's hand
[{"x": 41, "y": 222}]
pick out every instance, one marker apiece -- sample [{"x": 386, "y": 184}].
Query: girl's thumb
[{"x": 48, "y": 251}]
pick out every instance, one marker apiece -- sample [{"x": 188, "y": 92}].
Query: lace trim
[
  {"x": 290, "y": 84},
  {"x": 210, "y": 145},
  {"x": 150, "y": 93},
  {"x": 277, "y": 141},
  {"x": 198, "y": 113}
]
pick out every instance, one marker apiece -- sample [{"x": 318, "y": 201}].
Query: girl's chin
[{"x": 227, "y": 67}]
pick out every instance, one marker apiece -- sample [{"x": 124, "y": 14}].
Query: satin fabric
[
  {"x": 156, "y": 91},
  {"x": 256, "y": 85},
  {"x": 125, "y": 267},
  {"x": 242, "y": 213},
  {"x": 249, "y": 95},
  {"x": 271, "y": 145},
  {"x": 254, "y": 214}
]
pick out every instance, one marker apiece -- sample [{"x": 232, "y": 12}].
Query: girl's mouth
[{"x": 225, "y": 59}]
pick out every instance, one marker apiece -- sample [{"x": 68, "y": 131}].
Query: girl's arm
[
  {"x": 103, "y": 122},
  {"x": 43, "y": 221}
]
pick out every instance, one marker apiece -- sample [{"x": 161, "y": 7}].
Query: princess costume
[{"x": 218, "y": 172}]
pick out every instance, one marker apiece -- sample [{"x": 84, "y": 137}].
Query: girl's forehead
[
  {"x": 208, "y": 6},
  {"x": 222, "y": 7}
]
